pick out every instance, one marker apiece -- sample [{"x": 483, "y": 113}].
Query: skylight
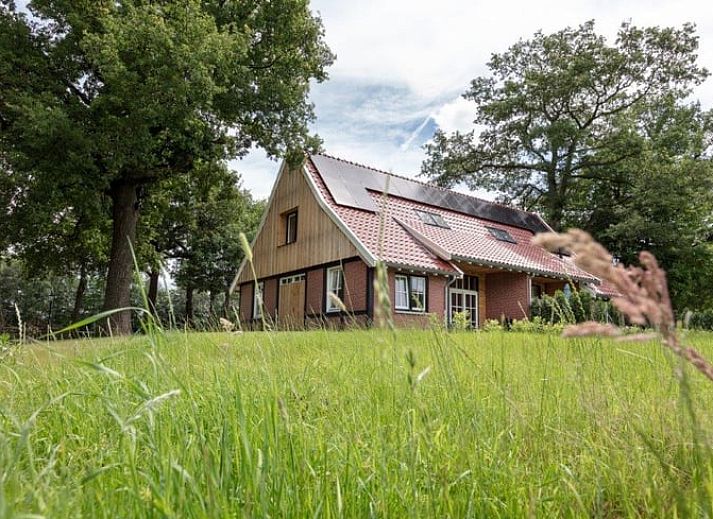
[
  {"x": 501, "y": 234},
  {"x": 432, "y": 219}
]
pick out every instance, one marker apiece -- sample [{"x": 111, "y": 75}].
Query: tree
[
  {"x": 120, "y": 95},
  {"x": 662, "y": 201},
  {"x": 551, "y": 112},
  {"x": 193, "y": 222},
  {"x": 209, "y": 257}
]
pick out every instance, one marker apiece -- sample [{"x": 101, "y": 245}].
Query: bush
[
  {"x": 701, "y": 320},
  {"x": 461, "y": 321},
  {"x": 579, "y": 307},
  {"x": 492, "y": 325},
  {"x": 535, "y": 325}
]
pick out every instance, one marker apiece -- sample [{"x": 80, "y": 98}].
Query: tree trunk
[
  {"x": 125, "y": 215},
  {"x": 226, "y": 303},
  {"x": 211, "y": 303},
  {"x": 189, "y": 305},
  {"x": 153, "y": 290},
  {"x": 79, "y": 294},
  {"x": 553, "y": 200}
]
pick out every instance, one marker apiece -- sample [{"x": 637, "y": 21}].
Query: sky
[{"x": 402, "y": 66}]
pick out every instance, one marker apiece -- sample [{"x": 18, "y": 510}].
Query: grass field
[{"x": 355, "y": 424}]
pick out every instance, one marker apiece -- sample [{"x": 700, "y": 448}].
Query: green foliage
[
  {"x": 579, "y": 307},
  {"x": 600, "y": 136},
  {"x": 492, "y": 325},
  {"x": 460, "y": 321},
  {"x": 702, "y": 320},
  {"x": 103, "y": 101},
  {"x": 551, "y": 108},
  {"x": 536, "y": 324}
]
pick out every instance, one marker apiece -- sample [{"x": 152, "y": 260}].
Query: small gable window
[
  {"x": 432, "y": 219},
  {"x": 501, "y": 234},
  {"x": 291, "y": 227}
]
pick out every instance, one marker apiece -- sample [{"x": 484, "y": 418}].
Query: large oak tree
[
  {"x": 113, "y": 96},
  {"x": 550, "y": 112}
]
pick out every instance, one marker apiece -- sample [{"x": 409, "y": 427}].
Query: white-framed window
[
  {"x": 334, "y": 288},
  {"x": 410, "y": 293},
  {"x": 297, "y": 278},
  {"x": 291, "y": 227},
  {"x": 257, "y": 299},
  {"x": 401, "y": 292},
  {"x": 418, "y": 293}
]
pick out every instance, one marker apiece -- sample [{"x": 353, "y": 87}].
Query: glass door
[{"x": 460, "y": 301}]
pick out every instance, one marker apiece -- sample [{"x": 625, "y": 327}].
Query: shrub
[
  {"x": 492, "y": 325},
  {"x": 460, "y": 321},
  {"x": 701, "y": 320}
]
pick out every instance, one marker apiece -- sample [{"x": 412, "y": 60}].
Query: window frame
[
  {"x": 291, "y": 237},
  {"x": 330, "y": 305},
  {"x": 412, "y": 307},
  {"x": 258, "y": 296},
  {"x": 501, "y": 234},
  {"x": 405, "y": 279},
  {"x": 433, "y": 219}
]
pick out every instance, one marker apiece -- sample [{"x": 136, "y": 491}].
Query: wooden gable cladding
[{"x": 318, "y": 239}]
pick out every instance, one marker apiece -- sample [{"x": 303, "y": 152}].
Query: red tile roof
[{"x": 396, "y": 235}]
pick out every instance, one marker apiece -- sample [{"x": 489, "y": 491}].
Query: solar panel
[{"x": 349, "y": 185}]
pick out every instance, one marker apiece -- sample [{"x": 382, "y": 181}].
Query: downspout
[{"x": 447, "y": 300}]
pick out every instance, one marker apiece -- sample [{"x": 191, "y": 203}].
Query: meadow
[{"x": 354, "y": 424}]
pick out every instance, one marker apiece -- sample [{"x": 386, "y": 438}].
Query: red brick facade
[
  {"x": 507, "y": 295},
  {"x": 355, "y": 279},
  {"x": 356, "y": 276},
  {"x": 315, "y": 289},
  {"x": 435, "y": 298}
]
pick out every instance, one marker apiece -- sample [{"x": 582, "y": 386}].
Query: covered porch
[{"x": 485, "y": 293}]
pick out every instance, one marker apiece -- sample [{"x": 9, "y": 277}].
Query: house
[{"x": 330, "y": 221}]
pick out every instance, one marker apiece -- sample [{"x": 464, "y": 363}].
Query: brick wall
[
  {"x": 507, "y": 295},
  {"x": 355, "y": 273},
  {"x": 435, "y": 294},
  {"x": 338, "y": 322},
  {"x": 315, "y": 291},
  {"x": 554, "y": 286}
]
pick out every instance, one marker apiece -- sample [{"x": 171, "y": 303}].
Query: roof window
[
  {"x": 501, "y": 234},
  {"x": 432, "y": 219}
]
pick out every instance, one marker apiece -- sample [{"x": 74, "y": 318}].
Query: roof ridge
[{"x": 409, "y": 179}]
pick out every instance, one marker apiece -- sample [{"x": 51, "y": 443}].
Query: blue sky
[{"x": 402, "y": 65}]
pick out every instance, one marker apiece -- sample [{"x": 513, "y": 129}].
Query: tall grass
[{"x": 362, "y": 423}]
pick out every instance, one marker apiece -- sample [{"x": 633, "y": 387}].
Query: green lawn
[{"x": 354, "y": 424}]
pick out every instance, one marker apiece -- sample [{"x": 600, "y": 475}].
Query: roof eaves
[
  {"x": 431, "y": 245},
  {"x": 518, "y": 268},
  {"x": 415, "y": 268}
]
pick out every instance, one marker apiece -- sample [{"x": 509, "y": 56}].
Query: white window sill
[{"x": 409, "y": 312}]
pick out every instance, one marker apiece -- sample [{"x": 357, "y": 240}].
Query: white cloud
[
  {"x": 456, "y": 115},
  {"x": 402, "y": 65},
  {"x": 434, "y": 48}
]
